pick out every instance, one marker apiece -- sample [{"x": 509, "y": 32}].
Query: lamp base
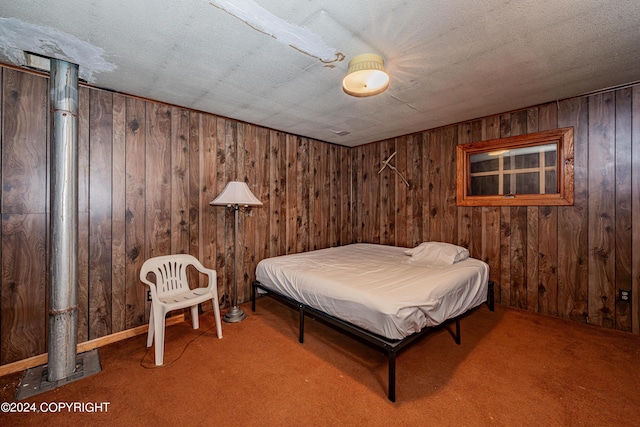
[{"x": 235, "y": 314}]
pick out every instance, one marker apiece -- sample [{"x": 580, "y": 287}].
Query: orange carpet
[{"x": 512, "y": 368}]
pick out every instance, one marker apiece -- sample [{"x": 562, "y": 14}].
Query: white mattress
[{"x": 373, "y": 287}]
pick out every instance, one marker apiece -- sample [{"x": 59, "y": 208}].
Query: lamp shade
[
  {"x": 366, "y": 76},
  {"x": 236, "y": 193}
]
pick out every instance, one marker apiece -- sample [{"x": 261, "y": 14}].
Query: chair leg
[
  {"x": 195, "y": 321},
  {"x": 216, "y": 315},
  {"x": 159, "y": 332},
  {"x": 151, "y": 327}
]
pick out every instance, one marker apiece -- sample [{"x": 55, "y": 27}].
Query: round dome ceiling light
[{"x": 366, "y": 76}]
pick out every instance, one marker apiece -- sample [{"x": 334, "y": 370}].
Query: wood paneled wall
[
  {"x": 147, "y": 174},
  {"x": 567, "y": 262}
]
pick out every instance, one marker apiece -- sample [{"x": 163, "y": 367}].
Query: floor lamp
[{"x": 235, "y": 196}]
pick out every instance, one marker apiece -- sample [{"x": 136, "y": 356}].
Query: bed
[{"x": 386, "y": 295}]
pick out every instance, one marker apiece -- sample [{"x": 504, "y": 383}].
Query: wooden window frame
[{"x": 563, "y": 137}]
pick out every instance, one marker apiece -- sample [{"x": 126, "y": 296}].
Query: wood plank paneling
[
  {"x": 302, "y": 195},
  {"x": 519, "y": 228},
  {"x": 227, "y": 171},
  {"x": 83, "y": 215},
  {"x": 291, "y": 193},
  {"x": 449, "y": 225},
  {"x": 491, "y": 229},
  {"x": 179, "y": 128},
  {"x": 24, "y": 286},
  {"x": 635, "y": 209},
  {"x": 465, "y": 214},
  {"x": 623, "y": 212},
  {"x": 506, "y": 282},
  {"x": 387, "y": 194},
  {"x": 602, "y": 209},
  {"x": 334, "y": 188},
  {"x": 400, "y": 202},
  {"x": 415, "y": 171},
  {"x": 24, "y": 203},
  {"x": 573, "y": 221},
  {"x": 118, "y": 216},
  {"x": 346, "y": 192},
  {"x": 135, "y": 211},
  {"x": 434, "y": 159},
  {"x": 247, "y": 173},
  {"x": 534, "y": 287},
  {"x": 278, "y": 198},
  {"x": 100, "y": 203},
  {"x": 373, "y": 192},
  {"x": 148, "y": 172},
  {"x": 263, "y": 156},
  {"x": 24, "y": 152},
  {"x": 546, "y": 285}
]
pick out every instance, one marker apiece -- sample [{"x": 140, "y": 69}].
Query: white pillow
[{"x": 436, "y": 254}]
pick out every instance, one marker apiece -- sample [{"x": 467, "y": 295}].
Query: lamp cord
[{"x": 179, "y": 356}]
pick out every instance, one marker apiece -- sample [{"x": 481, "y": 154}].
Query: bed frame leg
[
  {"x": 392, "y": 375},
  {"x": 491, "y": 296},
  {"x": 458, "y": 330},
  {"x": 301, "y": 333},
  {"x": 253, "y": 297}
]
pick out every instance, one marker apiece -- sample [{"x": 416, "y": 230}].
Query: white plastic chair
[{"x": 171, "y": 292}]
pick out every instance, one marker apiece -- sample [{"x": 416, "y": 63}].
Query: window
[{"x": 526, "y": 170}]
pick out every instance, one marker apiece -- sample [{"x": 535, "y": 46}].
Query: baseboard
[{"x": 41, "y": 359}]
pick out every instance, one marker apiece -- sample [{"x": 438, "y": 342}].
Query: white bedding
[{"x": 374, "y": 287}]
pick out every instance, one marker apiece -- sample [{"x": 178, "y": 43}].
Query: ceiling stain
[
  {"x": 299, "y": 38},
  {"x": 18, "y": 37}
]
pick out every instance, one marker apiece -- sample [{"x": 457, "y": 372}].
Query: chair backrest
[{"x": 170, "y": 272}]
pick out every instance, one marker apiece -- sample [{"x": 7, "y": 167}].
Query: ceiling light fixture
[{"x": 366, "y": 76}]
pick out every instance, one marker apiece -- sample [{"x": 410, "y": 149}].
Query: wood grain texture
[
  {"x": 135, "y": 211},
  {"x": 180, "y": 181},
  {"x": 536, "y": 290},
  {"x": 415, "y": 171},
  {"x": 573, "y": 221},
  {"x": 227, "y": 171},
  {"x": 261, "y": 215},
  {"x": 118, "y": 216},
  {"x": 302, "y": 195},
  {"x": 465, "y": 214},
  {"x": 346, "y": 195},
  {"x": 387, "y": 180},
  {"x": 291, "y": 174},
  {"x": 491, "y": 249},
  {"x": 24, "y": 286},
  {"x": 602, "y": 209},
  {"x": 435, "y": 186},
  {"x": 623, "y": 208},
  {"x": 83, "y": 214},
  {"x": 24, "y": 143},
  {"x": 449, "y": 225},
  {"x": 147, "y": 172},
  {"x": 100, "y": 221},
  {"x": 635, "y": 209},
  {"x": 518, "y": 235},
  {"x": 401, "y": 191},
  {"x": 546, "y": 283},
  {"x": 247, "y": 173}
]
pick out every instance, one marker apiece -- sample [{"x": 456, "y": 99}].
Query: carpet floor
[{"x": 513, "y": 368}]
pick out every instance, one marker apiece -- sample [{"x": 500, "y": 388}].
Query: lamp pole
[{"x": 235, "y": 313}]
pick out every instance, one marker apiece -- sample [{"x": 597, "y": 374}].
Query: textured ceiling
[{"x": 279, "y": 63}]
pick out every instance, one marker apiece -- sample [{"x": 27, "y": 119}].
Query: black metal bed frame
[{"x": 388, "y": 346}]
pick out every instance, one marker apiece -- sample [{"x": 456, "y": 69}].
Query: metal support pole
[{"x": 63, "y": 274}]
